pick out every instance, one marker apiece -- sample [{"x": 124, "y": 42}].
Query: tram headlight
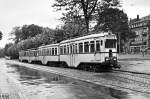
[
  {"x": 115, "y": 58},
  {"x": 106, "y": 59}
]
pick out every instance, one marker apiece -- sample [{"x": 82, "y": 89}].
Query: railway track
[
  {"x": 137, "y": 75},
  {"x": 138, "y": 79}
]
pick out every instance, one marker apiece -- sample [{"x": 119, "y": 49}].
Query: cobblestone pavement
[
  {"x": 135, "y": 63},
  {"x": 90, "y": 77},
  {"x": 133, "y": 57},
  {"x": 128, "y": 62}
]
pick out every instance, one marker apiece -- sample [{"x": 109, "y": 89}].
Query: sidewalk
[{"x": 9, "y": 89}]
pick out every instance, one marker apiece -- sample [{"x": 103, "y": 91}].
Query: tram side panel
[
  {"x": 83, "y": 51},
  {"x": 48, "y": 54}
]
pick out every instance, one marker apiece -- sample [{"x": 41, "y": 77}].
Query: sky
[{"x": 39, "y": 12}]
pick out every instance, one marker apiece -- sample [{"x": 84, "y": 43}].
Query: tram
[{"x": 91, "y": 51}]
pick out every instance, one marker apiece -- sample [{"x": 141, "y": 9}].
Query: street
[{"x": 30, "y": 81}]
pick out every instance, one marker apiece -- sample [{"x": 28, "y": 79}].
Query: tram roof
[
  {"x": 45, "y": 46},
  {"x": 87, "y": 37}
]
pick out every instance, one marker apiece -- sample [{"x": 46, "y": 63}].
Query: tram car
[{"x": 90, "y": 52}]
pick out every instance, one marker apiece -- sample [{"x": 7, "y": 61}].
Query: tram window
[
  {"x": 76, "y": 48},
  {"x": 52, "y": 51},
  {"x": 64, "y": 49},
  {"x": 101, "y": 42},
  {"x": 41, "y": 52},
  {"x": 92, "y": 46},
  {"x": 71, "y": 49},
  {"x": 67, "y": 49},
  {"x": 33, "y": 53},
  {"x": 97, "y": 46},
  {"x": 80, "y": 47},
  {"x": 55, "y": 51},
  {"x": 110, "y": 43},
  {"x": 38, "y": 53},
  {"x": 86, "y": 47},
  {"x": 47, "y": 51},
  {"x": 61, "y": 50}
]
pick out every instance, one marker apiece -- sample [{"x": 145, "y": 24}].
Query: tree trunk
[{"x": 87, "y": 25}]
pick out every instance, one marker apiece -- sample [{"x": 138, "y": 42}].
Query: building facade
[{"x": 141, "y": 26}]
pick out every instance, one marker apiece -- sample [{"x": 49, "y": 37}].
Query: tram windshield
[{"x": 110, "y": 43}]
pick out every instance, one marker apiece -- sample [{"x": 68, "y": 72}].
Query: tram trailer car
[
  {"x": 91, "y": 51},
  {"x": 49, "y": 54},
  {"x": 24, "y": 56}
]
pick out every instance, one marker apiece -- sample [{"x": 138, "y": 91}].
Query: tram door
[
  {"x": 72, "y": 55},
  {"x": 97, "y": 51}
]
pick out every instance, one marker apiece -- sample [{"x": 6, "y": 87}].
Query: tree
[
  {"x": 6, "y": 47},
  {"x": 1, "y": 35},
  {"x": 59, "y": 35},
  {"x": 13, "y": 51},
  {"x": 25, "y": 32},
  {"x": 16, "y": 32},
  {"x": 29, "y": 31},
  {"x": 79, "y": 8},
  {"x": 2, "y": 53},
  {"x": 114, "y": 20}
]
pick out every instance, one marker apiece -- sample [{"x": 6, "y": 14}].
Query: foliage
[
  {"x": 1, "y": 35},
  {"x": 75, "y": 28},
  {"x": 16, "y": 32},
  {"x": 6, "y": 47},
  {"x": 115, "y": 20},
  {"x": 2, "y": 53},
  {"x": 25, "y": 32},
  {"x": 77, "y": 8},
  {"x": 76, "y": 18},
  {"x": 13, "y": 51}
]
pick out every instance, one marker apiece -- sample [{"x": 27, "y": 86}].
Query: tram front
[{"x": 111, "y": 51}]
